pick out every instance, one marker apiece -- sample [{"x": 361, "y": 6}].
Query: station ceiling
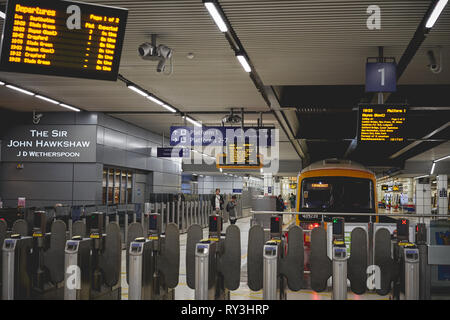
[{"x": 311, "y": 52}]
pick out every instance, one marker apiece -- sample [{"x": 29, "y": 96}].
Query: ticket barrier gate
[
  {"x": 340, "y": 267},
  {"x": 92, "y": 264},
  {"x": 400, "y": 271},
  {"x": 33, "y": 266},
  {"x": 213, "y": 265},
  {"x": 153, "y": 260},
  {"x": 269, "y": 266}
]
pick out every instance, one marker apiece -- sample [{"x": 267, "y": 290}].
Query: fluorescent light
[
  {"x": 211, "y": 7},
  {"x": 2, "y": 83},
  {"x": 244, "y": 63},
  {"x": 432, "y": 168},
  {"x": 441, "y": 159},
  {"x": 139, "y": 91},
  {"x": 20, "y": 90},
  {"x": 220, "y": 169},
  {"x": 69, "y": 107},
  {"x": 151, "y": 98},
  {"x": 195, "y": 123},
  {"x": 47, "y": 99},
  {"x": 2, "y": 15},
  {"x": 165, "y": 106},
  {"x": 436, "y": 13}
]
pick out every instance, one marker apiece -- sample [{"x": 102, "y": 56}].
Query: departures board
[
  {"x": 63, "y": 38},
  {"x": 382, "y": 123}
]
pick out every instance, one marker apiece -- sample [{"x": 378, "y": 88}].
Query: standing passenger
[
  {"x": 217, "y": 202},
  {"x": 231, "y": 209}
]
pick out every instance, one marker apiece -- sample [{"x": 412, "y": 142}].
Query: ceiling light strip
[
  {"x": 437, "y": 10},
  {"x": 217, "y": 17}
]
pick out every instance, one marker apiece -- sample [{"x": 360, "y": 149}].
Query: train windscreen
[{"x": 337, "y": 194}]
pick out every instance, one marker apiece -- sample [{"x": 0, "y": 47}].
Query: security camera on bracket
[
  {"x": 161, "y": 53},
  {"x": 434, "y": 65},
  {"x": 232, "y": 118}
]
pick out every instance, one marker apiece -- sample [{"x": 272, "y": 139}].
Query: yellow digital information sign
[
  {"x": 240, "y": 156},
  {"x": 63, "y": 38},
  {"x": 382, "y": 123}
]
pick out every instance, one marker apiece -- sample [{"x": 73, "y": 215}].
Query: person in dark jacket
[
  {"x": 217, "y": 202},
  {"x": 280, "y": 204},
  {"x": 231, "y": 209}
]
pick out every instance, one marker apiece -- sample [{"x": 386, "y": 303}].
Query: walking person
[
  {"x": 280, "y": 206},
  {"x": 217, "y": 203},
  {"x": 292, "y": 199},
  {"x": 231, "y": 209}
]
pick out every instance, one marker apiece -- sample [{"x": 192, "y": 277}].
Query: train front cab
[{"x": 324, "y": 179}]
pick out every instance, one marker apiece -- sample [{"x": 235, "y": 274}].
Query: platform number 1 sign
[{"x": 381, "y": 77}]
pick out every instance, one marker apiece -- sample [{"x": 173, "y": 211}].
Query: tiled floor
[{"x": 183, "y": 292}]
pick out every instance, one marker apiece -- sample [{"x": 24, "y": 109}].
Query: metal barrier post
[
  {"x": 411, "y": 256},
  {"x": 339, "y": 273},
  {"x": 201, "y": 271},
  {"x": 270, "y": 255},
  {"x": 135, "y": 270}
]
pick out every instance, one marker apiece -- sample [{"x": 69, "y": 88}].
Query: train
[{"x": 336, "y": 186}]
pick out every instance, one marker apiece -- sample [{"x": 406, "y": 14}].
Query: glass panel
[
  {"x": 110, "y": 185},
  {"x": 104, "y": 191},
  {"x": 117, "y": 187},
  {"x": 123, "y": 186},
  {"x": 130, "y": 187},
  {"x": 337, "y": 194}
]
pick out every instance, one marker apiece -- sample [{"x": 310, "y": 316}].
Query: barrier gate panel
[
  {"x": 383, "y": 260},
  {"x": 79, "y": 229},
  {"x": 292, "y": 266},
  {"x": 169, "y": 262},
  {"x": 20, "y": 227},
  {"x": 230, "y": 261},
  {"x": 194, "y": 235},
  {"x": 110, "y": 260},
  {"x": 54, "y": 256},
  {"x": 321, "y": 266},
  {"x": 357, "y": 263},
  {"x": 3, "y": 228},
  {"x": 255, "y": 259}
]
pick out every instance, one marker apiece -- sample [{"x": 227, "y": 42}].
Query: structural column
[
  {"x": 423, "y": 196},
  {"x": 442, "y": 193},
  {"x": 268, "y": 184}
]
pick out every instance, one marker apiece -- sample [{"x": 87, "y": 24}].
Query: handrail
[{"x": 357, "y": 214}]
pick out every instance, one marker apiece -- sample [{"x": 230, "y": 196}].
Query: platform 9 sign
[{"x": 381, "y": 77}]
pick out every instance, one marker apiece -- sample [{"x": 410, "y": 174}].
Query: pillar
[
  {"x": 423, "y": 196},
  {"x": 442, "y": 193}
]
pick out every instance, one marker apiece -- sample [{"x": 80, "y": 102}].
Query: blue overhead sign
[
  {"x": 173, "y": 153},
  {"x": 381, "y": 77},
  {"x": 219, "y": 136}
]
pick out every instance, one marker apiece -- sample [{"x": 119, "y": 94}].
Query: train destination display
[
  {"x": 382, "y": 123},
  {"x": 63, "y": 38},
  {"x": 240, "y": 156}
]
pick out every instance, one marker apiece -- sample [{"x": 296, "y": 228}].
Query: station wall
[
  {"x": 119, "y": 145},
  {"x": 226, "y": 184}
]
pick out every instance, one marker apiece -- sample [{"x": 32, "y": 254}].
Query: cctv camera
[
  {"x": 164, "y": 52},
  {"x": 435, "y": 66},
  {"x": 161, "y": 66},
  {"x": 146, "y": 50}
]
